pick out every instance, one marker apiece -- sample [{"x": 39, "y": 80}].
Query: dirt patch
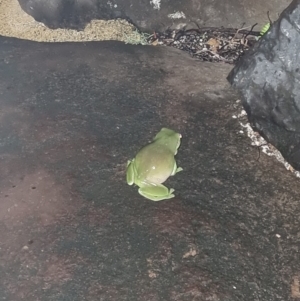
[{"x": 35, "y": 194}]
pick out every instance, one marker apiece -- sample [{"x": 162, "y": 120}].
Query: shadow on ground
[{"x": 72, "y": 229}]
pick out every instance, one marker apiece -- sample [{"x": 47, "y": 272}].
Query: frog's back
[{"x": 155, "y": 162}]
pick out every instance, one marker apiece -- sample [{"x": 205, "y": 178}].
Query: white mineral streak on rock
[
  {"x": 177, "y": 15},
  {"x": 155, "y": 4},
  {"x": 265, "y": 147}
]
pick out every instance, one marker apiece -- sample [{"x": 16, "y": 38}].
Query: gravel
[{"x": 14, "y": 22}]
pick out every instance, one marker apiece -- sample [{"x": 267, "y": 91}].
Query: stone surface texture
[
  {"x": 268, "y": 78},
  {"x": 155, "y": 15},
  {"x": 71, "y": 229}
]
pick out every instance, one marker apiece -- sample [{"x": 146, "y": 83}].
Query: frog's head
[{"x": 168, "y": 138}]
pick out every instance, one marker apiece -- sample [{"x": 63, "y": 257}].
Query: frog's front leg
[
  {"x": 130, "y": 172},
  {"x": 176, "y": 169},
  {"x": 156, "y": 192}
]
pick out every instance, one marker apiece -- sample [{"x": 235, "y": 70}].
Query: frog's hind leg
[{"x": 157, "y": 192}]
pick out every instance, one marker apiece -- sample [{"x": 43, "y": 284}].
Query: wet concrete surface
[{"x": 71, "y": 115}]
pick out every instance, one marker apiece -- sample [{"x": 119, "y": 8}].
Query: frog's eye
[{"x": 264, "y": 29}]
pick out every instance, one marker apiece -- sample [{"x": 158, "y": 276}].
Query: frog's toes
[{"x": 179, "y": 169}]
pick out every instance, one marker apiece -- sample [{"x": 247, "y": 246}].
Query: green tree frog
[{"x": 154, "y": 164}]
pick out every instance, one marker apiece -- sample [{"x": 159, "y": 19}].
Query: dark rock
[
  {"x": 68, "y": 14},
  {"x": 268, "y": 78},
  {"x": 153, "y": 15},
  {"x": 71, "y": 228}
]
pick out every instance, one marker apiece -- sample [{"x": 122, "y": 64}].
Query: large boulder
[
  {"x": 71, "y": 116},
  {"x": 268, "y": 78},
  {"x": 153, "y": 15}
]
